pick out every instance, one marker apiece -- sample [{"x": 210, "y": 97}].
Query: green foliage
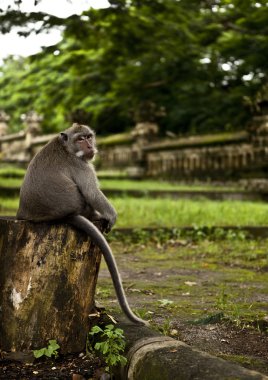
[
  {"x": 192, "y": 67},
  {"x": 109, "y": 342},
  {"x": 218, "y": 233},
  {"x": 49, "y": 351},
  {"x": 164, "y": 328}
]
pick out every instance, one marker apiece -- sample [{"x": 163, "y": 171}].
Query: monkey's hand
[
  {"x": 105, "y": 226},
  {"x": 108, "y": 222}
]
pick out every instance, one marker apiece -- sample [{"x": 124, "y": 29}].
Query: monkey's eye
[{"x": 81, "y": 138}]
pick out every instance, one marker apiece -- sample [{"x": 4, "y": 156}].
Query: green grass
[
  {"x": 8, "y": 206},
  {"x": 112, "y": 174},
  {"x": 14, "y": 179},
  {"x": 10, "y": 182},
  {"x": 11, "y": 172},
  {"x": 11, "y": 179},
  {"x": 148, "y": 212},
  {"x": 11, "y": 176},
  {"x": 201, "y": 278},
  {"x": 157, "y": 185}
]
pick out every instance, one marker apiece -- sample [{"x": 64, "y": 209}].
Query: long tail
[{"x": 90, "y": 229}]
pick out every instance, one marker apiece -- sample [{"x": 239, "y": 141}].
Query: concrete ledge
[{"x": 152, "y": 356}]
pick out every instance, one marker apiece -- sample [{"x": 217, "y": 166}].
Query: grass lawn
[
  {"x": 200, "y": 277},
  {"x": 144, "y": 212},
  {"x": 125, "y": 184},
  {"x": 14, "y": 179},
  {"x": 11, "y": 171},
  {"x": 10, "y": 182},
  {"x": 149, "y": 212}
]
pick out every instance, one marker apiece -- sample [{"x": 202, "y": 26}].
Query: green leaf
[
  {"x": 53, "y": 344},
  {"x": 98, "y": 346},
  {"x": 95, "y": 330},
  {"x": 39, "y": 353},
  {"x": 48, "y": 352},
  {"x": 105, "y": 348}
]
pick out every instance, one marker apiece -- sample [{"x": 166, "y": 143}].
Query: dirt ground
[
  {"x": 71, "y": 367},
  {"x": 212, "y": 295}
]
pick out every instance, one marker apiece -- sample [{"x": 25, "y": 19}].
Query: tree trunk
[{"x": 48, "y": 275}]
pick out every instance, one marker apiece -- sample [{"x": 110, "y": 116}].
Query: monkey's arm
[
  {"x": 94, "y": 197},
  {"x": 101, "y": 204}
]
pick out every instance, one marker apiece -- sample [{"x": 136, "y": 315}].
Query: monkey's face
[
  {"x": 86, "y": 146},
  {"x": 80, "y": 140}
]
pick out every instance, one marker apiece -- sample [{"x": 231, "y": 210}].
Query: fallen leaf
[
  {"x": 133, "y": 290},
  {"x": 190, "y": 283}
]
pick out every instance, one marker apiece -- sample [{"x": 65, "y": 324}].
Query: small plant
[
  {"x": 103, "y": 293},
  {"x": 109, "y": 342},
  {"x": 223, "y": 299},
  {"x": 209, "y": 319},
  {"x": 49, "y": 351},
  {"x": 165, "y": 302},
  {"x": 165, "y": 327}
]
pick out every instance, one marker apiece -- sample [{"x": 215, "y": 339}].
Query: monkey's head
[{"x": 80, "y": 141}]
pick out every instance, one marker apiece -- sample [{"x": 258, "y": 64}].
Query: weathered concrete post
[
  {"x": 4, "y": 118},
  {"x": 142, "y": 134},
  {"x": 33, "y": 128},
  {"x": 48, "y": 275}
]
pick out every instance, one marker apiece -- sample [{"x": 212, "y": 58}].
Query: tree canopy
[{"x": 191, "y": 66}]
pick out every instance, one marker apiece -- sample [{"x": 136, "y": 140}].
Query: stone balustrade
[{"x": 222, "y": 156}]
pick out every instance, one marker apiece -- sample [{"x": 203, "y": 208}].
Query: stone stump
[{"x": 48, "y": 275}]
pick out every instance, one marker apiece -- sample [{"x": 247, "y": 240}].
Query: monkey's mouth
[{"x": 90, "y": 153}]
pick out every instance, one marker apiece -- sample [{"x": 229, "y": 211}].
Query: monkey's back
[{"x": 48, "y": 191}]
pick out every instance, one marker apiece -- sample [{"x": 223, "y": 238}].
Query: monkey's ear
[{"x": 63, "y": 136}]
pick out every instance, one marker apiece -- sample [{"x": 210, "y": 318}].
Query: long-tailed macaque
[{"x": 60, "y": 183}]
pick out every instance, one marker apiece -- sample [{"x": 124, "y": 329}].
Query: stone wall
[
  {"x": 19, "y": 148},
  {"x": 222, "y": 156},
  {"x": 206, "y": 162},
  {"x": 118, "y": 157}
]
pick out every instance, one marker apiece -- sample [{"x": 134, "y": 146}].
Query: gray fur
[{"x": 59, "y": 184}]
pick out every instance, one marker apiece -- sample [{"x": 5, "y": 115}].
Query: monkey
[{"x": 61, "y": 184}]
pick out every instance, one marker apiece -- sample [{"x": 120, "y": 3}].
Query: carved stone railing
[
  {"x": 19, "y": 147},
  {"x": 227, "y": 155}
]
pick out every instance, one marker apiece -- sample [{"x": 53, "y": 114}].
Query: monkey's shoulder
[{"x": 52, "y": 155}]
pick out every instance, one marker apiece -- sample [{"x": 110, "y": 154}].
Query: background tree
[{"x": 194, "y": 67}]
